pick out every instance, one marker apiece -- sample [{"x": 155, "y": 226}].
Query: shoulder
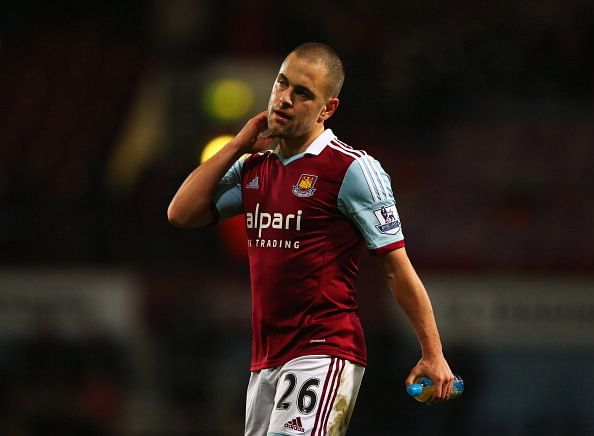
[
  {"x": 356, "y": 159},
  {"x": 360, "y": 163},
  {"x": 337, "y": 156},
  {"x": 341, "y": 150},
  {"x": 241, "y": 165},
  {"x": 256, "y": 158},
  {"x": 364, "y": 177}
]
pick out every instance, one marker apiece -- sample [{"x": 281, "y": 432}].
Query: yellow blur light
[
  {"x": 214, "y": 146},
  {"x": 228, "y": 99}
]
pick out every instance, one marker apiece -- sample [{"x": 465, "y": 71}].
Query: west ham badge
[{"x": 305, "y": 185}]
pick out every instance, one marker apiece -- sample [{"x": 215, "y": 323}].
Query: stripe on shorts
[{"x": 331, "y": 385}]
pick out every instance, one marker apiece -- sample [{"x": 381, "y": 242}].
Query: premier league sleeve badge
[{"x": 389, "y": 221}]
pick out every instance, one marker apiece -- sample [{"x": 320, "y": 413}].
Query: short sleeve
[
  {"x": 228, "y": 198},
  {"x": 367, "y": 199}
]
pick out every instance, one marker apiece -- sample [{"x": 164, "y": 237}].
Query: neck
[{"x": 292, "y": 146}]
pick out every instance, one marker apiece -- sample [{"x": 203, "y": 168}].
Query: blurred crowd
[
  {"x": 482, "y": 115},
  {"x": 54, "y": 385}
]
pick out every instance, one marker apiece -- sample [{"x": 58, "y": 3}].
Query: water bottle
[{"x": 422, "y": 389}]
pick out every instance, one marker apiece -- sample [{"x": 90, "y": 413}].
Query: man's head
[
  {"x": 325, "y": 56},
  {"x": 305, "y": 93}
]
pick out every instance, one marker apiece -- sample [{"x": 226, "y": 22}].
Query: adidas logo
[
  {"x": 295, "y": 424},
  {"x": 254, "y": 183}
]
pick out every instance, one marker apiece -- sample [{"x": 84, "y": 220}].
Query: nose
[{"x": 284, "y": 98}]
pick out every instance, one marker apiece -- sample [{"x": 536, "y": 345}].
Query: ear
[{"x": 329, "y": 109}]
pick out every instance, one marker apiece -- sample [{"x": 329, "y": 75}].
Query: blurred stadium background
[{"x": 114, "y": 323}]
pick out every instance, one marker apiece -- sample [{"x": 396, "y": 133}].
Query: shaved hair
[{"x": 317, "y": 52}]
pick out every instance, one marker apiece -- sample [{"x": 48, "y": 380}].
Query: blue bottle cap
[{"x": 415, "y": 389}]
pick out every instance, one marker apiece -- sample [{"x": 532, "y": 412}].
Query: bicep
[
  {"x": 228, "y": 198},
  {"x": 229, "y": 202}
]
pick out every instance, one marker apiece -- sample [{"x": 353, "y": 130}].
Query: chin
[
  {"x": 278, "y": 132},
  {"x": 281, "y": 135}
]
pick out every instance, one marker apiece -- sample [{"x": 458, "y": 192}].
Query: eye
[
  {"x": 303, "y": 94},
  {"x": 282, "y": 83}
]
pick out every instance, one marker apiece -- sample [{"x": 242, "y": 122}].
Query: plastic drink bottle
[{"x": 422, "y": 389}]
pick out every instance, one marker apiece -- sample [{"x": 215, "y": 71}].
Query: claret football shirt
[{"x": 308, "y": 218}]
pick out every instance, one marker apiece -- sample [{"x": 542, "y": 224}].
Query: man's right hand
[{"x": 254, "y": 137}]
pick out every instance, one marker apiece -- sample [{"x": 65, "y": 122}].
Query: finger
[
  {"x": 411, "y": 377},
  {"x": 450, "y": 388},
  {"x": 262, "y": 144},
  {"x": 447, "y": 388},
  {"x": 266, "y": 134},
  {"x": 262, "y": 118},
  {"x": 437, "y": 391}
]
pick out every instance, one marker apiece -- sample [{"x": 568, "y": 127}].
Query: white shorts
[{"x": 308, "y": 396}]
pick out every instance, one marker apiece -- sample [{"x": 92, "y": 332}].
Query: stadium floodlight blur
[
  {"x": 228, "y": 99},
  {"x": 214, "y": 145},
  {"x": 232, "y": 89}
]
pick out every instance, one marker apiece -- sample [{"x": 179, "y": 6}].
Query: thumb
[{"x": 416, "y": 372}]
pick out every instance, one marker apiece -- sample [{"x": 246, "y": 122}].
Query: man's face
[{"x": 298, "y": 99}]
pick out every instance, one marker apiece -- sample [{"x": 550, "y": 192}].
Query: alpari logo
[{"x": 276, "y": 220}]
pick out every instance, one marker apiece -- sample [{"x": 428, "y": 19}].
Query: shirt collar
[
  {"x": 315, "y": 148},
  {"x": 318, "y": 145}
]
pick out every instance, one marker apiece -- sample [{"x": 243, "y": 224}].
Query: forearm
[
  {"x": 409, "y": 291},
  {"x": 412, "y": 297},
  {"x": 191, "y": 205}
]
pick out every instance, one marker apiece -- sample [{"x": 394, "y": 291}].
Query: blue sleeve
[
  {"x": 366, "y": 198},
  {"x": 228, "y": 198}
]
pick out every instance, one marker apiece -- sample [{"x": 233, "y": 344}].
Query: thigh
[
  {"x": 315, "y": 396},
  {"x": 260, "y": 401}
]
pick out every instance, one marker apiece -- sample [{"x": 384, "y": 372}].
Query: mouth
[{"x": 282, "y": 116}]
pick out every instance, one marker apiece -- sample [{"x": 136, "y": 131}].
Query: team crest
[
  {"x": 305, "y": 185},
  {"x": 389, "y": 222}
]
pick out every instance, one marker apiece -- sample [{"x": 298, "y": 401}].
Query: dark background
[{"x": 481, "y": 112}]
